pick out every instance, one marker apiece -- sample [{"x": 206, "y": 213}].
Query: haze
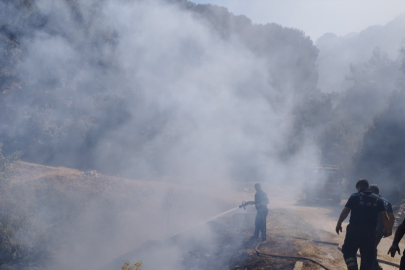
[
  {"x": 137, "y": 120},
  {"x": 316, "y": 17}
]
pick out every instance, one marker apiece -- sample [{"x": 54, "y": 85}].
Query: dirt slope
[
  {"x": 69, "y": 193},
  {"x": 95, "y": 218}
]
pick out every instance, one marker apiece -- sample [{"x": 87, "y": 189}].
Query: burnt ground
[
  {"x": 233, "y": 249},
  {"x": 289, "y": 226},
  {"x": 287, "y": 221},
  {"x": 228, "y": 247}
]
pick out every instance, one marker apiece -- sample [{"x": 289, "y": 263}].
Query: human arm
[
  {"x": 343, "y": 215},
  {"x": 390, "y": 212},
  {"x": 386, "y": 222},
  {"x": 244, "y": 204},
  {"x": 399, "y": 233},
  {"x": 391, "y": 218}
]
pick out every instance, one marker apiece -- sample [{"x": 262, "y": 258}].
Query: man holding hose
[{"x": 261, "y": 201}]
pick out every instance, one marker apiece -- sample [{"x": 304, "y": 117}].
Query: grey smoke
[{"x": 151, "y": 90}]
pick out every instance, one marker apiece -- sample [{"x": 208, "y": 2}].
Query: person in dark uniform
[
  {"x": 261, "y": 201},
  {"x": 364, "y": 206},
  {"x": 380, "y": 227},
  {"x": 394, "y": 247}
]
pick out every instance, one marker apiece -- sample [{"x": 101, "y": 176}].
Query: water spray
[
  {"x": 201, "y": 223},
  {"x": 128, "y": 254}
]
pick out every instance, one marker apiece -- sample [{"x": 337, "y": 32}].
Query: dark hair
[
  {"x": 362, "y": 184},
  {"x": 375, "y": 189},
  {"x": 258, "y": 186}
]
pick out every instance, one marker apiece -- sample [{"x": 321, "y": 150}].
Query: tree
[{"x": 382, "y": 153}]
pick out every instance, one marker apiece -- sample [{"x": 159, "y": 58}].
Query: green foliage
[
  {"x": 127, "y": 266},
  {"x": 10, "y": 220},
  {"x": 343, "y": 131},
  {"x": 67, "y": 116},
  {"x": 380, "y": 153},
  {"x": 381, "y": 156},
  {"x": 5, "y": 162},
  {"x": 5, "y": 169}
]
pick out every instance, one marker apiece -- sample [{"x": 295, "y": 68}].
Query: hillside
[
  {"x": 364, "y": 74},
  {"x": 337, "y": 54},
  {"x": 85, "y": 89},
  {"x": 135, "y": 120},
  {"x": 86, "y": 214}
]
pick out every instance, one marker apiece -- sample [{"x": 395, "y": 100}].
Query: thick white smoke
[
  {"x": 193, "y": 106},
  {"x": 191, "y": 101}
]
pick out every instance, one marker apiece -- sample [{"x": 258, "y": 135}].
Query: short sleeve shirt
[
  {"x": 388, "y": 208},
  {"x": 365, "y": 207},
  {"x": 261, "y": 198}
]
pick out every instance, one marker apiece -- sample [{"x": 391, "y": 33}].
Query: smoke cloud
[{"x": 149, "y": 90}]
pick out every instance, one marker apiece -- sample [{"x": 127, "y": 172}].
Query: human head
[
  {"x": 362, "y": 184},
  {"x": 258, "y": 187},
  {"x": 375, "y": 189}
]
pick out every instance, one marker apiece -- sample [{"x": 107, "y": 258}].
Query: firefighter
[
  {"x": 391, "y": 220},
  {"x": 261, "y": 202},
  {"x": 364, "y": 207},
  {"x": 394, "y": 247}
]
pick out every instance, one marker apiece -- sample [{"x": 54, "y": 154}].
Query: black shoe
[{"x": 254, "y": 238}]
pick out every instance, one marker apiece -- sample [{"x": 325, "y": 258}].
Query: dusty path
[
  {"x": 294, "y": 218},
  {"x": 228, "y": 246}
]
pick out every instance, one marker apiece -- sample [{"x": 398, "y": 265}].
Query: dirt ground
[
  {"x": 322, "y": 219},
  {"x": 290, "y": 222},
  {"x": 290, "y": 217}
]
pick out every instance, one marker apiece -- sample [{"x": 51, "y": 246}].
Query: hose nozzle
[{"x": 243, "y": 205}]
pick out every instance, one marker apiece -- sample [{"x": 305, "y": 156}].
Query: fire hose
[
  {"x": 259, "y": 253},
  {"x": 380, "y": 261},
  {"x": 288, "y": 257},
  {"x": 333, "y": 244}
]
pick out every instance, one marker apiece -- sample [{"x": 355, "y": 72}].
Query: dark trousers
[
  {"x": 363, "y": 238},
  {"x": 260, "y": 223},
  {"x": 378, "y": 239},
  {"x": 402, "y": 266}
]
